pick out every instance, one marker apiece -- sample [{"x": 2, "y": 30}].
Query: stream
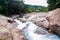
[{"x": 33, "y": 32}]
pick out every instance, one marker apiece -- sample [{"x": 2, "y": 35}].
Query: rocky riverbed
[{"x": 34, "y": 26}]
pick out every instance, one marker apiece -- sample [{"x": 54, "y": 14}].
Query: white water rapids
[{"x": 33, "y": 32}]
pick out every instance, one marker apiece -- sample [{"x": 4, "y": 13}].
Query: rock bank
[
  {"x": 54, "y": 20},
  {"x": 8, "y": 30}
]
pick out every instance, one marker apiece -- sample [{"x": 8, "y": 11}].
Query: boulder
[
  {"x": 54, "y": 16},
  {"x": 55, "y": 29},
  {"x": 8, "y": 30},
  {"x": 54, "y": 20},
  {"x": 39, "y": 20}
]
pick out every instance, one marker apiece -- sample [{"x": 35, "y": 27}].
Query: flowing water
[{"x": 33, "y": 32}]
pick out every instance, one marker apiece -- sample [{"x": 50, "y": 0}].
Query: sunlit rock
[
  {"x": 54, "y": 19},
  {"x": 39, "y": 20},
  {"x": 8, "y": 30}
]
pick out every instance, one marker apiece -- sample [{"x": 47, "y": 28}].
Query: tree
[
  {"x": 17, "y": 7},
  {"x": 53, "y": 4},
  {"x": 10, "y": 7}
]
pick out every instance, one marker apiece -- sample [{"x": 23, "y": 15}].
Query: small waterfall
[
  {"x": 33, "y": 32},
  {"x": 20, "y": 25}
]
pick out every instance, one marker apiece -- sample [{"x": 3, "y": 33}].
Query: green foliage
[
  {"x": 1, "y": 8},
  {"x": 53, "y": 4},
  {"x": 10, "y": 7},
  {"x": 34, "y": 8}
]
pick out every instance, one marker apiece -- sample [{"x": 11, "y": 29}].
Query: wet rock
[
  {"x": 41, "y": 31},
  {"x": 55, "y": 29}
]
